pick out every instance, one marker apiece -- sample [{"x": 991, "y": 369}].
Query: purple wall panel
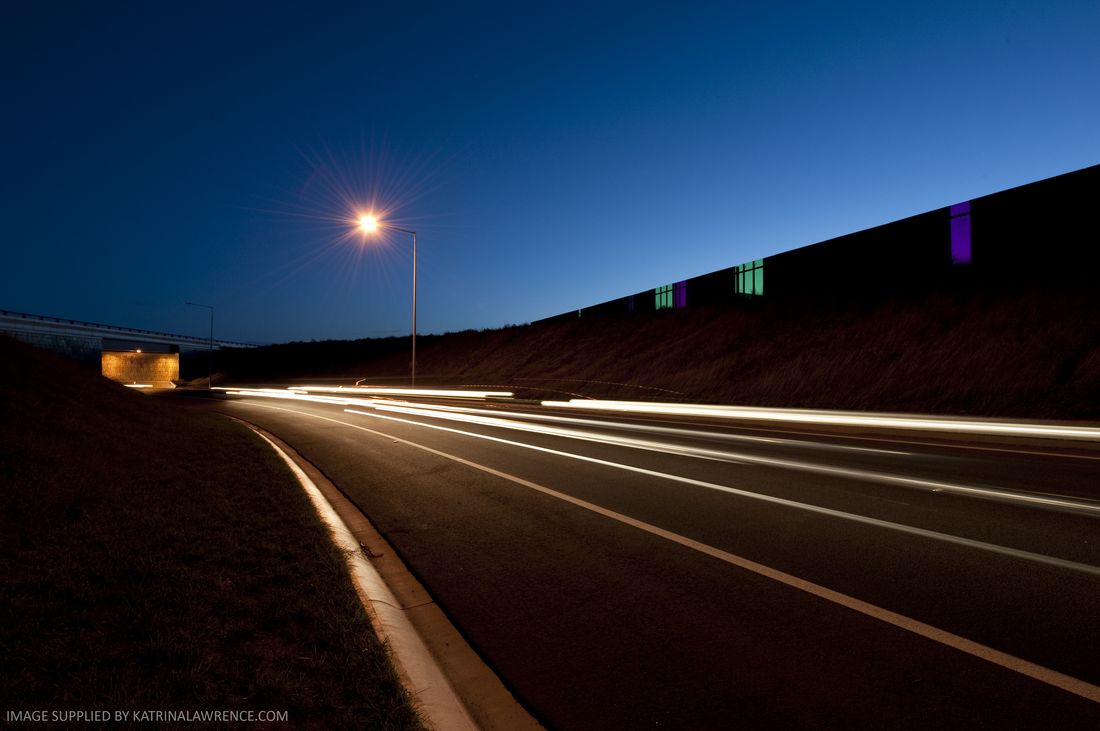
[
  {"x": 960, "y": 233},
  {"x": 680, "y": 293},
  {"x": 960, "y": 240}
]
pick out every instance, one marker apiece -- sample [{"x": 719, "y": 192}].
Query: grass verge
[
  {"x": 159, "y": 560},
  {"x": 1005, "y": 353}
]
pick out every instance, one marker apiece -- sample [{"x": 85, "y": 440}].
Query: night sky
[{"x": 550, "y": 155}]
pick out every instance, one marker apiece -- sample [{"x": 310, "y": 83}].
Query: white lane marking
[
  {"x": 975, "y": 649},
  {"x": 900, "y": 527},
  {"x": 420, "y": 673},
  {"x": 984, "y": 493},
  {"x": 1048, "y": 501}
]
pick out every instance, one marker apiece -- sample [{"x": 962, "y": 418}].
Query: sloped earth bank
[{"x": 1008, "y": 353}]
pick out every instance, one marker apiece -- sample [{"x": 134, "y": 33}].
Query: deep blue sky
[{"x": 551, "y": 155}]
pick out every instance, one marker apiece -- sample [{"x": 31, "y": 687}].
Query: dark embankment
[
  {"x": 997, "y": 353},
  {"x": 161, "y": 558}
]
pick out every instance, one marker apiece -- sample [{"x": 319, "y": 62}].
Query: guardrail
[{"x": 114, "y": 329}]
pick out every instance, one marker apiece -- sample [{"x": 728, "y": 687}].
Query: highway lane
[{"x": 622, "y": 619}]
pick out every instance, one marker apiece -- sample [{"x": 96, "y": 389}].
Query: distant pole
[
  {"x": 210, "y": 349},
  {"x": 369, "y": 224}
]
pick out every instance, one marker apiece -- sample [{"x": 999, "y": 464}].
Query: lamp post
[
  {"x": 368, "y": 224},
  {"x": 210, "y": 349}
]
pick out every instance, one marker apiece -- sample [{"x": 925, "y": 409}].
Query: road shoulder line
[
  {"x": 1037, "y": 672},
  {"x": 450, "y": 684}
]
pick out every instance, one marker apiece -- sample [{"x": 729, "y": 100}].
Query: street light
[
  {"x": 210, "y": 350},
  {"x": 368, "y": 224}
]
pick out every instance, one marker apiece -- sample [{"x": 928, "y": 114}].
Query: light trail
[
  {"x": 376, "y": 391},
  {"x": 351, "y": 393},
  {"x": 839, "y": 418},
  {"x": 1041, "y": 673},
  {"x": 269, "y": 391},
  {"x": 985, "y": 493},
  {"x": 300, "y": 394},
  {"x": 272, "y": 393},
  {"x": 650, "y": 429},
  {"x": 866, "y": 520},
  {"x": 475, "y": 416},
  {"x": 345, "y": 397}
]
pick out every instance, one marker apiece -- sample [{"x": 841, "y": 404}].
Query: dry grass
[
  {"x": 158, "y": 559},
  {"x": 1028, "y": 354}
]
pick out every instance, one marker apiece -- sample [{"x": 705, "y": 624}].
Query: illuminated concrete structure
[
  {"x": 126, "y": 355},
  {"x": 1044, "y": 235},
  {"x": 156, "y": 369}
]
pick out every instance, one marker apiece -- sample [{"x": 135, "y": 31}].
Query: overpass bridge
[{"x": 123, "y": 354}]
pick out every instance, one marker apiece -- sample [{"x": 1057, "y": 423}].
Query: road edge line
[
  {"x": 432, "y": 694},
  {"x": 1012, "y": 663},
  {"x": 446, "y": 679}
]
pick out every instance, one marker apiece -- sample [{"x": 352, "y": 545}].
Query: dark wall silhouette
[{"x": 1040, "y": 236}]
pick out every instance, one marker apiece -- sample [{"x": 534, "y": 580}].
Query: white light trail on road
[
  {"x": 464, "y": 414},
  {"x": 1016, "y": 664},
  {"x": 985, "y": 493},
  {"x": 292, "y": 396},
  {"x": 839, "y": 418},
  {"x": 352, "y": 395},
  {"x": 648, "y": 428},
  {"x": 341, "y": 396},
  {"x": 258, "y": 389},
  {"x": 877, "y": 522},
  {"x": 298, "y": 394},
  {"x": 375, "y": 391}
]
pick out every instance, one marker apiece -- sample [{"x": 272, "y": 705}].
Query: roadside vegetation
[
  {"x": 160, "y": 558},
  {"x": 995, "y": 353}
]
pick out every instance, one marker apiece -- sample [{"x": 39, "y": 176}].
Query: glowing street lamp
[{"x": 368, "y": 224}]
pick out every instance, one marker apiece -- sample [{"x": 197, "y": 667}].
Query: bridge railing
[{"x": 121, "y": 330}]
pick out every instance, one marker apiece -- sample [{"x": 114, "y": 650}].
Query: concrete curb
[
  {"x": 421, "y": 676},
  {"x": 450, "y": 684}
]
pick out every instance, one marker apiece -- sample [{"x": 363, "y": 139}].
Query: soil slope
[{"x": 1007, "y": 353}]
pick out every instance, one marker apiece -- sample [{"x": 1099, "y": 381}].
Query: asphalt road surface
[{"x": 634, "y": 572}]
